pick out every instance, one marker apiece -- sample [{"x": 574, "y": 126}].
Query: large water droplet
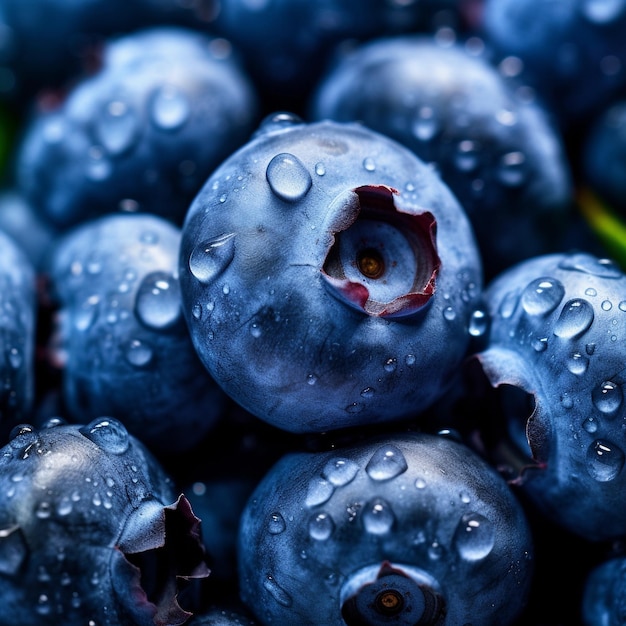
[
  {"x": 321, "y": 526},
  {"x": 288, "y": 178},
  {"x": 386, "y": 463},
  {"x": 607, "y": 397},
  {"x": 474, "y": 537},
  {"x": 577, "y": 363},
  {"x": 139, "y": 353},
  {"x": 170, "y": 108},
  {"x": 589, "y": 264},
  {"x": 542, "y": 296},
  {"x": 604, "y": 460},
  {"x": 277, "y": 592},
  {"x": 107, "y": 433},
  {"x": 210, "y": 258},
  {"x": 378, "y": 518},
  {"x": 116, "y": 127},
  {"x": 575, "y": 318},
  {"x": 319, "y": 491},
  {"x": 276, "y": 524},
  {"x": 340, "y": 472},
  {"x": 478, "y": 323},
  {"x": 158, "y": 303}
]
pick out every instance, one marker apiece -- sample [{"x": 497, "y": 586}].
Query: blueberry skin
[
  {"x": 121, "y": 340},
  {"x": 572, "y": 51},
  {"x": 92, "y": 530},
  {"x": 556, "y": 340},
  {"x": 140, "y": 134},
  {"x": 603, "y": 155},
  {"x": 500, "y": 154},
  {"x": 18, "y": 318},
  {"x": 328, "y": 277},
  {"x": 323, "y": 524},
  {"x": 604, "y": 594}
]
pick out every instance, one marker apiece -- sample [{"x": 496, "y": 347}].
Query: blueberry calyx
[
  {"x": 162, "y": 549},
  {"x": 393, "y": 597},
  {"x": 383, "y": 260}
]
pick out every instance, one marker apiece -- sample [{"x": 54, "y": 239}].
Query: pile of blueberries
[{"x": 313, "y": 313}]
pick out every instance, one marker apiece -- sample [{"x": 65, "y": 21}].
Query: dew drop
[
  {"x": 43, "y": 605},
  {"x": 321, "y": 526},
  {"x": 320, "y": 169},
  {"x": 116, "y": 127},
  {"x": 340, "y": 472},
  {"x": 575, "y": 318},
  {"x": 169, "y": 108},
  {"x": 158, "y": 302},
  {"x": 425, "y": 124},
  {"x": 196, "y": 311},
  {"x": 540, "y": 344},
  {"x": 606, "y": 305},
  {"x": 14, "y": 358},
  {"x": 311, "y": 379},
  {"x": 590, "y": 425},
  {"x": 319, "y": 491},
  {"x": 138, "y": 353},
  {"x": 210, "y": 258},
  {"x": 466, "y": 156},
  {"x": 43, "y": 510},
  {"x": 109, "y": 434},
  {"x": 64, "y": 506},
  {"x": 474, "y": 537},
  {"x": 255, "y": 329},
  {"x": 369, "y": 164},
  {"x": 367, "y": 392},
  {"x": 589, "y": 264},
  {"x": 577, "y": 364},
  {"x": 391, "y": 364},
  {"x": 449, "y": 313},
  {"x": 508, "y": 305},
  {"x": 604, "y": 460},
  {"x": 512, "y": 170},
  {"x": 410, "y": 359},
  {"x": 607, "y": 397},
  {"x": 386, "y": 463},
  {"x": 288, "y": 178},
  {"x": 277, "y": 592},
  {"x": 276, "y": 524},
  {"x": 378, "y": 518},
  {"x": 478, "y": 323},
  {"x": 22, "y": 435},
  {"x": 13, "y": 550},
  {"x": 542, "y": 296},
  {"x": 420, "y": 483}
]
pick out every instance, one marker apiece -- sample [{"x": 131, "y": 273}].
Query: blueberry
[
  {"x": 400, "y": 529},
  {"x": 604, "y": 593},
  {"x": 142, "y": 133},
  {"x": 499, "y": 153},
  {"x": 555, "y": 354},
  {"x": 18, "y": 319},
  {"x": 91, "y": 530},
  {"x": 328, "y": 277},
  {"x": 572, "y": 53},
  {"x": 121, "y": 340}
]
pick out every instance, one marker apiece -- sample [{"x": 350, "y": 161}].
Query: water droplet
[
  {"x": 508, "y": 305},
  {"x": 116, "y": 127},
  {"x": 255, "y": 329},
  {"x": 43, "y": 605},
  {"x": 391, "y": 364},
  {"x": 466, "y": 156},
  {"x": 449, "y": 313},
  {"x": 512, "y": 170},
  {"x": 169, "y": 108},
  {"x": 196, "y": 311},
  {"x": 14, "y": 358},
  {"x": 540, "y": 344},
  {"x": 139, "y": 353},
  {"x": 319, "y": 491},
  {"x": 606, "y": 305},
  {"x": 277, "y": 592},
  {"x": 158, "y": 302},
  {"x": 420, "y": 483},
  {"x": 320, "y": 169},
  {"x": 478, "y": 323},
  {"x": 575, "y": 318},
  {"x": 607, "y": 397},
  {"x": 474, "y": 537},
  {"x": 369, "y": 164},
  {"x": 278, "y": 121},
  {"x": 22, "y": 435},
  {"x": 590, "y": 425},
  {"x": 542, "y": 296},
  {"x": 410, "y": 359},
  {"x": 425, "y": 124},
  {"x": 311, "y": 379},
  {"x": 107, "y": 433},
  {"x": 340, "y": 472},
  {"x": 43, "y": 510},
  {"x": 321, "y": 526},
  {"x": 210, "y": 258},
  {"x": 64, "y": 507},
  {"x": 386, "y": 463},
  {"x": 604, "y": 460},
  {"x": 590, "y": 291},
  {"x": 276, "y": 524},
  {"x": 577, "y": 364},
  {"x": 590, "y": 264},
  {"x": 435, "y": 550},
  {"x": 288, "y": 177},
  {"x": 378, "y": 518},
  {"x": 97, "y": 167},
  {"x": 367, "y": 392},
  {"x": 13, "y": 550}
]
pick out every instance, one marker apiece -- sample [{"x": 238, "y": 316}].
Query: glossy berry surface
[
  {"x": 497, "y": 151},
  {"x": 91, "y": 529},
  {"x": 604, "y": 599},
  {"x": 140, "y": 134},
  {"x": 403, "y": 529},
  {"x": 556, "y": 338},
  {"x": 121, "y": 343},
  {"x": 328, "y": 277}
]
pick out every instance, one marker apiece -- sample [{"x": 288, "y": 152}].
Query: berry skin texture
[
  {"x": 390, "y": 530},
  {"x": 328, "y": 277},
  {"x": 18, "y": 301},
  {"x": 140, "y": 134},
  {"x": 604, "y": 593},
  {"x": 122, "y": 342},
  {"x": 91, "y": 530},
  {"x": 556, "y": 352}
]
